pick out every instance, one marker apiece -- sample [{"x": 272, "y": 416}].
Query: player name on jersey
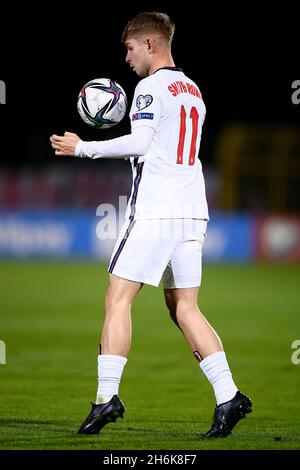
[{"x": 180, "y": 87}]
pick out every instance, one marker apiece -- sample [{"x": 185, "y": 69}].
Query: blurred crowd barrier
[
  {"x": 56, "y": 186},
  {"x": 63, "y": 234},
  {"x": 59, "y": 186}
]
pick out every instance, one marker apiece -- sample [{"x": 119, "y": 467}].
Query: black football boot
[
  {"x": 228, "y": 414},
  {"x": 101, "y": 415}
]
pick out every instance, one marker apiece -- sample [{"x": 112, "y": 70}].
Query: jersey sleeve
[
  {"x": 135, "y": 144},
  {"x": 146, "y": 106}
]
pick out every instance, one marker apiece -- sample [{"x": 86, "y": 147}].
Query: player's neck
[{"x": 164, "y": 61}]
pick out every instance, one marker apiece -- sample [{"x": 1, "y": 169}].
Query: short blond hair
[{"x": 149, "y": 22}]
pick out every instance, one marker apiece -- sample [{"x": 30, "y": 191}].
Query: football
[{"x": 102, "y": 103}]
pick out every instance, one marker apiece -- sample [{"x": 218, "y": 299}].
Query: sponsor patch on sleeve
[{"x": 137, "y": 116}]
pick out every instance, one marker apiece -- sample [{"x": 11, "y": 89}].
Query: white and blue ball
[{"x": 102, "y": 103}]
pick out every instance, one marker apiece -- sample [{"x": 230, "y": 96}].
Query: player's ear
[{"x": 149, "y": 44}]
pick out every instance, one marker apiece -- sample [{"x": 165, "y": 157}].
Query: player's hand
[{"x": 64, "y": 145}]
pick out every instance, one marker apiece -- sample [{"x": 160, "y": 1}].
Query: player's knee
[
  {"x": 115, "y": 301},
  {"x": 184, "y": 309}
]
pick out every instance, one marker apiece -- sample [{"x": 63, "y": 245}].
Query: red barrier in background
[{"x": 278, "y": 238}]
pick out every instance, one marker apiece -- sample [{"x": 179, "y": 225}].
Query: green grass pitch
[{"x": 50, "y": 317}]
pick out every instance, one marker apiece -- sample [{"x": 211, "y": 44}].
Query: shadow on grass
[
  {"x": 69, "y": 430},
  {"x": 9, "y": 421},
  {"x": 35, "y": 426}
]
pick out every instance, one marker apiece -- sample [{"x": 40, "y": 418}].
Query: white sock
[
  {"x": 110, "y": 369},
  {"x": 216, "y": 369}
]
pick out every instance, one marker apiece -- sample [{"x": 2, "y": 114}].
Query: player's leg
[
  {"x": 116, "y": 336},
  {"x": 116, "y": 330},
  {"x": 204, "y": 341},
  {"x": 114, "y": 349},
  {"x": 181, "y": 279},
  {"x": 232, "y": 405},
  {"x": 184, "y": 311},
  {"x": 138, "y": 257}
]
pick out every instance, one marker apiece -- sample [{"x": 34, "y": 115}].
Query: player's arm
[
  {"x": 135, "y": 144},
  {"x": 145, "y": 114}
]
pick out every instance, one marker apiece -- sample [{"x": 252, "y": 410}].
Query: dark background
[{"x": 243, "y": 63}]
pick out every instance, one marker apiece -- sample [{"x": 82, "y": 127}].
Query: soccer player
[{"x": 165, "y": 225}]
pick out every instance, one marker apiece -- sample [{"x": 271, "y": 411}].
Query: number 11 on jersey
[{"x": 194, "y": 116}]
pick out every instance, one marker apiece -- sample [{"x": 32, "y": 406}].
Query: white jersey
[{"x": 168, "y": 181}]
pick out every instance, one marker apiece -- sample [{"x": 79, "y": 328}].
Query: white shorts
[{"x": 169, "y": 249}]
